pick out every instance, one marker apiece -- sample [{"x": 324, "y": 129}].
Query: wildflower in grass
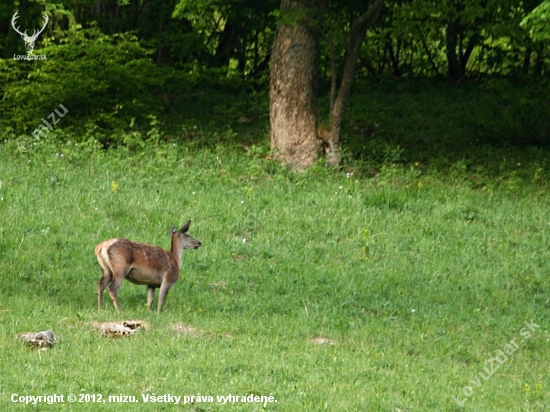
[{"x": 114, "y": 186}]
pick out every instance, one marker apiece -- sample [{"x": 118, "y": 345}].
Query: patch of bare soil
[
  {"x": 322, "y": 341},
  {"x": 194, "y": 332},
  {"x": 187, "y": 330}
]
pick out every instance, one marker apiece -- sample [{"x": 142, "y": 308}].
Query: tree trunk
[
  {"x": 526, "y": 62},
  {"x": 354, "y": 40},
  {"x": 225, "y": 47},
  {"x": 293, "y": 89},
  {"x": 428, "y": 52},
  {"x": 455, "y": 68},
  {"x": 458, "y": 61},
  {"x": 160, "y": 34},
  {"x": 539, "y": 62},
  {"x": 334, "y": 72}
]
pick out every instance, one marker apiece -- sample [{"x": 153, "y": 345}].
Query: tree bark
[
  {"x": 457, "y": 62},
  {"x": 354, "y": 40},
  {"x": 160, "y": 34},
  {"x": 455, "y": 68},
  {"x": 293, "y": 89},
  {"x": 334, "y": 72}
]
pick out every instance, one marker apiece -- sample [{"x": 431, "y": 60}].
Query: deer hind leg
[
  {"x": 150, "y": 296},
  {"x": 102, "y": 283},
  {"x": 118, "y": 278},
  {"x": 113, "y": 289}
]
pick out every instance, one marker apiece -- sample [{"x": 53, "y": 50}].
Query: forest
[{"x": 117, "y": 66}]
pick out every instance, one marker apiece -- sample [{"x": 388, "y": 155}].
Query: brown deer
[{"x": 142, "y": 264}]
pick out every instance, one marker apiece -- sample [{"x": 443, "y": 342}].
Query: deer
[
  {"x": 142, "y": 264},
  {"x": 29, "y": 40}
]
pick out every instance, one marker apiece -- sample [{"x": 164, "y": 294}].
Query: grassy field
[{"x": 388, "y": 287}]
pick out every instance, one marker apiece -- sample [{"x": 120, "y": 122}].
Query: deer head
[{"x": 29, "y": 40}]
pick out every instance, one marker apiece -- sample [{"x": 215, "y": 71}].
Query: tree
[
  {"x": 293, "y": 85},
  {"x": 294, "y": 69},
  {"x": 354, "y": 38},
  {"x": 537, "y": 22}
]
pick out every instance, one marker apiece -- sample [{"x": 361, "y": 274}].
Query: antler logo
[{"x": 29, "y": 40}]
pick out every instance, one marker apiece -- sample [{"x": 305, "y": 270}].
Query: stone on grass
[
  {"x": 122, "y": 328},
  {"x": 45, "y": 339}
]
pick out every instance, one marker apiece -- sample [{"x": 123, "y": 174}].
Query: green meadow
[{"x": 414, "y": 278}]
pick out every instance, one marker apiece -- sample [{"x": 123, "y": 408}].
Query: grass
[{"x": 416, "y": 274}]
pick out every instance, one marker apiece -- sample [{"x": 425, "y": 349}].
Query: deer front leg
[
  {"x": 150, "y": 296},
  {"x": 164, "y": 287}
]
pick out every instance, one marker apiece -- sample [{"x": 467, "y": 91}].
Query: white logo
[{"x": 29, "y": 40}]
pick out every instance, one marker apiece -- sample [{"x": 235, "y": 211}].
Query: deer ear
[
  {"x": 172, "y": 228},
  {"x": 185, "y": 227}
]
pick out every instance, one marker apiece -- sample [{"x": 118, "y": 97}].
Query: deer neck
[{"x": 177, "y": 250}]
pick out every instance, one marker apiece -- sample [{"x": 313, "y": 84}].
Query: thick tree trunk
[{"x": 293, "y": 90}]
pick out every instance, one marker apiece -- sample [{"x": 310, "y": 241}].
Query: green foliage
[
  {"x": 106, "y": 83},
  {"x": 437, "y": 121},
  {"x": 412, "y": 37},
  {"x": 236, "y": 35},
  {"x": 95, "y": 76},
  {"x": 538, "y": 22}
]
